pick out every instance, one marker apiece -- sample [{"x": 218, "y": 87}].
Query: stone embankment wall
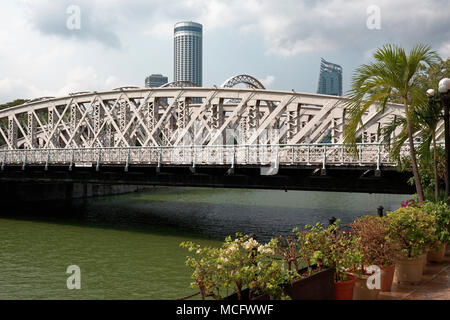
[{"x": 15, "y": 193}]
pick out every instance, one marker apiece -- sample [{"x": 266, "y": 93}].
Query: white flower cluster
[
  {"x": 250, "y": 244},
  {"x": 266, "y": 250}
]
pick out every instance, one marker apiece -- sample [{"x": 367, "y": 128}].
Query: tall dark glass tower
[
  {"x": 188, "y": 52},
  {"x": 330, "y": 79}
]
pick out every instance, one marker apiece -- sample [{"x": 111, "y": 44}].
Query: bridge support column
[
  {"x": 124, "y": 118},
  {"x": 293, "y": 120},
  {"x": 75, "y": 116},
  {"x": 12, "y": 132},
  {"x": 99, "y": 115},
  {"x": 52, "y": 121},
  {"x": 152, "y": 114},
  {"x": 31, "y": 130}
]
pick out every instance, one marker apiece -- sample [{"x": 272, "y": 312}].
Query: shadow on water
[
  {"x": 98, "y": 213},
  {"x": 207, "y": 213}
]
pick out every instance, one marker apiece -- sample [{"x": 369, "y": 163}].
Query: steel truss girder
[{"x": 175, "y": 116}]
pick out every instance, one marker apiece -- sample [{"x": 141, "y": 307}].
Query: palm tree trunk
[
  {"x": 436, "y": 177},
  {"x": 412, "y": 151}
]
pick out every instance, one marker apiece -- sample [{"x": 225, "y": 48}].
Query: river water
[{"x": 127, "y": 246}]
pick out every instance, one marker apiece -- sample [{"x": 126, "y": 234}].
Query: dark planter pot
[
  {"x": 245, "y": 296},
  {"x": 318, "y": 286}
]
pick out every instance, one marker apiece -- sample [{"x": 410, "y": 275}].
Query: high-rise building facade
[
  {"x": 155, "y": 80},
  {"x": 188, "y": 52},
  {"x": 330, "y": 79}
]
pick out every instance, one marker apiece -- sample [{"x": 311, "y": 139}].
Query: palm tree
[
  {"x": 425, "y": 120},
  {"x": 393, "y": 74}
]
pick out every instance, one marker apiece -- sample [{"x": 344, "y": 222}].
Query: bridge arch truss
[{"x": 186, "y": 119}]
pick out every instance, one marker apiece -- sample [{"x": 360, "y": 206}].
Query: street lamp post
[{"x": 444, "y": 90}]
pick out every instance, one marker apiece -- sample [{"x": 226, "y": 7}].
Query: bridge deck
[{"x": 302, "y": 177}]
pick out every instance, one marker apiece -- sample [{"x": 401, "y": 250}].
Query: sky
[{"x": 56, "y": 47}]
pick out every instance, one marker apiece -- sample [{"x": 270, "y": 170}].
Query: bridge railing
[{"x": 259, "y": 155}]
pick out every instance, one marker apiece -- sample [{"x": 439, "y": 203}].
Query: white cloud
[
  {"x": 121, "y": 41},
  {"x": 87, "y": 79},
  {"x": 161, "y": 30},
  {"x": 444, "y": 50},
  {"x": 268, "y": 81},
  {"x": 97, "y": 20},
  {"x": 78, "y": 79},
  {"x": 9, "y": 89},
  {"x": 288, "y": 27}
]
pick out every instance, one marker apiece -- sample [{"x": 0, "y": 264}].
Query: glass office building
[
  {"x": 188, "y": 52},
  {"x": 330, "y": 79},
  {"x": 155, "y": 80}
]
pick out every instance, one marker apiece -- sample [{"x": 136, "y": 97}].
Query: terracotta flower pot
[
  {"x": 343, "y": 290},
  {"x": 362, "y": 292},
  {"x": 387, "y": 277},
  {"x": 437, "y": 255},
  {"x": 409, "y": 270}
]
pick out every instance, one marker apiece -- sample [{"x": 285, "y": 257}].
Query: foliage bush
[
  {"x": 330, "y": 247},
  {"x": 375, "y": 241},
  {"x": 441, "y": 211},
  {"x": 412, "y": 229}
]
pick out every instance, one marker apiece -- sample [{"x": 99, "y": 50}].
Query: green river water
[{"x": 127, "y": 246}]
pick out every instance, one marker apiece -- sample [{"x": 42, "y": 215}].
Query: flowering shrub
[
  {"x": 406, "y": 203},
  {"x": 412, "y": 229},
  {"x": 238, "y": 264}
]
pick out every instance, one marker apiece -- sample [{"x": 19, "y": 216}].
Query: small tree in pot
[
  {"x": 442, "y": 213},
  {"x": 337, "y": 249},
  {"x": 414, "y": 231},
  {"x": 289, "y": 249},
  {"x": 377, "y": 248},
  {"x": 312, "y": 281}
]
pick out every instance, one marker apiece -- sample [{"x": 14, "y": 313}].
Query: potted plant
[
  {"x": 345, "y": 257},
  {"x": 377, "y": 248},
  {"x": 242, "y": 265},
  {"x": 442, "y": 213},
  {"x": 413, "y": 230},
  {"x": 311, "y": 282},
  {"x": 338, "y": 250}
]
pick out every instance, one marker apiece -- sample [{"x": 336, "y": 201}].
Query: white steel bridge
[{"x": 180, "y": 124}]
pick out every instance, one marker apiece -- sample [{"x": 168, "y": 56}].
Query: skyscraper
[
  {"x": 188, "y": 52},
  {"x": 330, "y": 79},
  {"x": 155, "y": 80}
]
